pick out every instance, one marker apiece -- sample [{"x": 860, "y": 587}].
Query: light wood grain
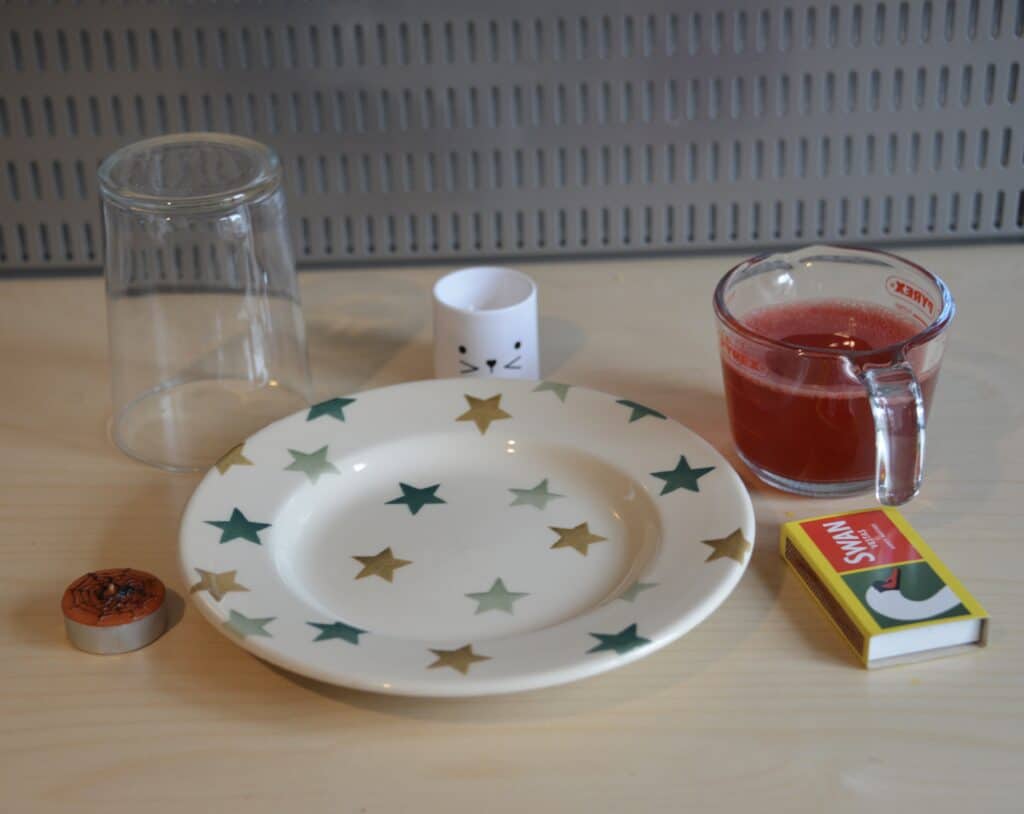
[{"x": 760, "y": 708}]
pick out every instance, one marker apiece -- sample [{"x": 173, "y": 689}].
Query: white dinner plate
[{"x": 457, "y": 537}]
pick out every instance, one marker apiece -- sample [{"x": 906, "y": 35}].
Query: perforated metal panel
[{"x": 453, "y": 129}]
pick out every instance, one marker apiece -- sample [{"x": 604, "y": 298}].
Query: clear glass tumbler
[{"x": 207, "y": 340}]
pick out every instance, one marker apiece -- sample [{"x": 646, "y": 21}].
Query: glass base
[
  {"x": 810, "y": 489},
  {"x": 188, "y": 426}
]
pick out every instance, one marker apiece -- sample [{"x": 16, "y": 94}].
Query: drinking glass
[
  {"x": 830, "y": 357},
  {"x": 207, "y": 340}
]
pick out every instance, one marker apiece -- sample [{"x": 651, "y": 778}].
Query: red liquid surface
[{"x": 804, "y": 417}]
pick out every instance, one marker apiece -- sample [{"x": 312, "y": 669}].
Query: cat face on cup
[
  {"x": 485, "y": 324},
  {"x": 486, "y": 361}
]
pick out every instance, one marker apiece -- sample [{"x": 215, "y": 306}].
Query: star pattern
[
  {"x": 216, "y": 583},
  {"x": 497, "y": 597},
  {"x": 483, "y": 412},
  {"x": 538, "y": 496},
  {"x": 239, "y": 527},
  {"x": 242, "y": 625},
  {"x": 415, "y": 498},
  {"x": 460, "y": 659},
  {"x": 233, "y": 457},
  {"x": 313, "y": 464},
  {"x": 733, "y": 546},
  {"x": 382, "y": 564},
  {"x": 637, "y": 588},
  {"x": 639, "y": 410},
  {"x": 335, "y": 408},
  {"x": 336, "y": 630},
  {"x": 559, "y": 389},
  {"x": 578, "y": 537},
  {"x": 682, "y": 477},
  {"x": 621, "y": 642}
]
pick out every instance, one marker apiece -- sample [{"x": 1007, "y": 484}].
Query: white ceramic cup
[{"x": 485, "y": 324}]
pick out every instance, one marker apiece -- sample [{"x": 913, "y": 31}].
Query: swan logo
[
  {"x": 905, "y": 594},
  {"x": 861, "y": 540}
]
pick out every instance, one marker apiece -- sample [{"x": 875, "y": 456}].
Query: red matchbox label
[{"x": 863, "y": 540}]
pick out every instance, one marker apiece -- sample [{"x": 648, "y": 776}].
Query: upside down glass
[
  {"x": 207, "y": 340},
  {"x": 830, "y": 357}
]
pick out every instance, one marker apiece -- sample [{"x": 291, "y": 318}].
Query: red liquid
[{"x": 803, "y": 417}]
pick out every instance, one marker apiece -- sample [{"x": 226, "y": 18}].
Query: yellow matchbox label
[{"x": 872, "y": 573}]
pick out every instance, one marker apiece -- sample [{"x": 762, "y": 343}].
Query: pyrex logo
[{"x": 903, "y": 289}]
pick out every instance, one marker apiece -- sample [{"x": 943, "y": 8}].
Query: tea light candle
[{"x": 114, "y": 611}]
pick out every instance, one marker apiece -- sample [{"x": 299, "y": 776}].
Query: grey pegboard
[{"x": 452, "y": 129}]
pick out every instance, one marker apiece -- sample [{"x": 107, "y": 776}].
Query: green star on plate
[
  {"x": 335, "y": 408},
  {"x": 314, "y": 464},
  {"x": 682, "y": 477},
  {"x": 639, "y": 410},
  {"x": 621, "y": 642},
  {"x": 559, "y": 389},
  {"x": 336, "y": 630},
  {"x": 415, "y": 498},
  {"x": 538, "y": 496},
  {"x": 239, "y": 527},
  {"x": 242, "y": 625},
  {"x": 497, "y": 597},
  {"x": 637, "y": 588}
]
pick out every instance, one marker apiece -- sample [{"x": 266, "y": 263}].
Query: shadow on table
[
  {"x": 39, "y": 618},
  {"x": 142, "y": 534},
  {"x": 658, "y": 674},
  {"x": 774, "y": 579},
  {"x": 354, "y": 333},
  {"x": 560, "y": 340},
  {"x": 364, "y": 345}
]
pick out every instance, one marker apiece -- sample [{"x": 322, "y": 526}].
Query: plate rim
[{"x": 476, "y": 685}]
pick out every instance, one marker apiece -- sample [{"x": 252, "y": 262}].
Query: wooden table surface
[{"x": 760, "y": 708}]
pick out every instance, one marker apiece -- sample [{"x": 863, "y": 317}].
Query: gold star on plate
[
  {"x": 217, "y": 583},
  {"x": 734, "y": 546},
  {"x": 578, "y": 537},
  {"x": 383, "y": 565},
  {"x": 233, "y": 457},
  {"x": 483, "y": 411},
  {"x": 460, "y": 659}
]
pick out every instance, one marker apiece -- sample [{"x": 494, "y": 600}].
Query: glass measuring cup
[{"x": 830, "y": 358}]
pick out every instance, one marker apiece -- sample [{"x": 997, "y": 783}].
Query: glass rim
[
  {"x": 264, "y": 181},
  {"x": 926, "y": 334}
]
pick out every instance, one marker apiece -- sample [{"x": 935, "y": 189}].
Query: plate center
[{"x": 479, "y": 565}]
